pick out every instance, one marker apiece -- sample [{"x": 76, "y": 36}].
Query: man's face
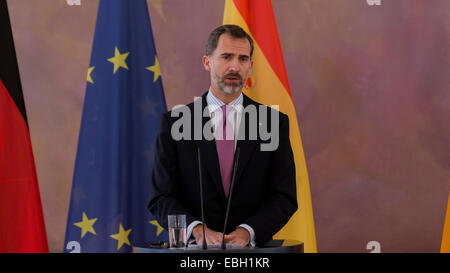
[{"x": 230, "y": 64}]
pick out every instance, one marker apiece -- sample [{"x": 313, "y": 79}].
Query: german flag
[
  {"x": 21, "y": 220},
  {"x": 268, "y": 84}
]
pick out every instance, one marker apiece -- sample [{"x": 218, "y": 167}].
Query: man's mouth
[{"x": 233, "y": 78}]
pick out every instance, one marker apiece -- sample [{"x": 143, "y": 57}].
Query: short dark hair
[{"x": 232, "y": 30}]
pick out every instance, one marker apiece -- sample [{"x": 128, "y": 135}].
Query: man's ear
[{"x": 206, "y": 63}]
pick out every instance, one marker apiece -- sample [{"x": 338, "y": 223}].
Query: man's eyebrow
[{"x": 232, "y": 54}]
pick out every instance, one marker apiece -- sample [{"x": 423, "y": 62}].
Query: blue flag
[{"x": 123, "y": 102}]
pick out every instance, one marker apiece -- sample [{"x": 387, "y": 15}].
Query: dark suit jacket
[{"x": 264, "y": 195}]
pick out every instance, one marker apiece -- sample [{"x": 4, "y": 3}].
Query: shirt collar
[{"x": 216, "y": 103}]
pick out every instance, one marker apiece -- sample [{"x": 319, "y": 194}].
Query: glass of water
[{"x": 177, "y": 231}]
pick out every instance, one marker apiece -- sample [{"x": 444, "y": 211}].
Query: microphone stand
[
  {"x": 204, "y": 244},
  {"x": 229, "y": 198}
]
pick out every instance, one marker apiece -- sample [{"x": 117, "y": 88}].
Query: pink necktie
[{"x": 225, "y": 149}]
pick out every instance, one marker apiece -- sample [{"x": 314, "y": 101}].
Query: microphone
[
  {"x": 229, "y": 198},
  {"x": 204, "y": 244}
]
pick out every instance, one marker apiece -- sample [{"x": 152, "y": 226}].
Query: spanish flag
[
  {"x": 21, "y": 220},
  {"x": 268, "y": 84},
  {"x": 445, "y": 246}
]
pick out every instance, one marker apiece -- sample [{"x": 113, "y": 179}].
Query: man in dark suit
[{"x": 264, "y": 194}]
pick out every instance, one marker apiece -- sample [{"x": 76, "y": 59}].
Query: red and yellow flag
[
  {"x": 445, "y": 246},
  {"x": 268, "y": 84}
]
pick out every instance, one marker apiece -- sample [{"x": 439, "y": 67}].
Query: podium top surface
[{"x": 272, "y": 246}]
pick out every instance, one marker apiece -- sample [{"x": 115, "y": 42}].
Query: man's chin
[{"x": 231, "y": 90}]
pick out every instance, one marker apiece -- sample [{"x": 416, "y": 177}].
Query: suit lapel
[{"x": 244, "y": 143}]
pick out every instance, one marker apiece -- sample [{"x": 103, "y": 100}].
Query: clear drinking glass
[{"x": 177, "y": 231}]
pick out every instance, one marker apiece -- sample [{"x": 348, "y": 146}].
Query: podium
[{"x": 272, "y": 246}]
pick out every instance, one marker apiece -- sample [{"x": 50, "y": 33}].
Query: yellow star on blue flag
[
  {"x": 119, "y": 60},
  {"x": 159, "y": 228},
  {"x": 89, "y": 76},
  {"x": 121, "y": 237},
  {"x": 155, "y": 69},
  {"x": 86, "y": 225}
]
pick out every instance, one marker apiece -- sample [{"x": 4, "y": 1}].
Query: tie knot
[
  {"x": 226, "y": 128},
  {"x": 224, "y": 110}
]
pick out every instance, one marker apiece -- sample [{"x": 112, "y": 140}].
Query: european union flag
[{"x": 123, "y": 102}]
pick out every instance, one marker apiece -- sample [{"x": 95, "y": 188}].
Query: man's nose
[{"x": 235, "y": 66}]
